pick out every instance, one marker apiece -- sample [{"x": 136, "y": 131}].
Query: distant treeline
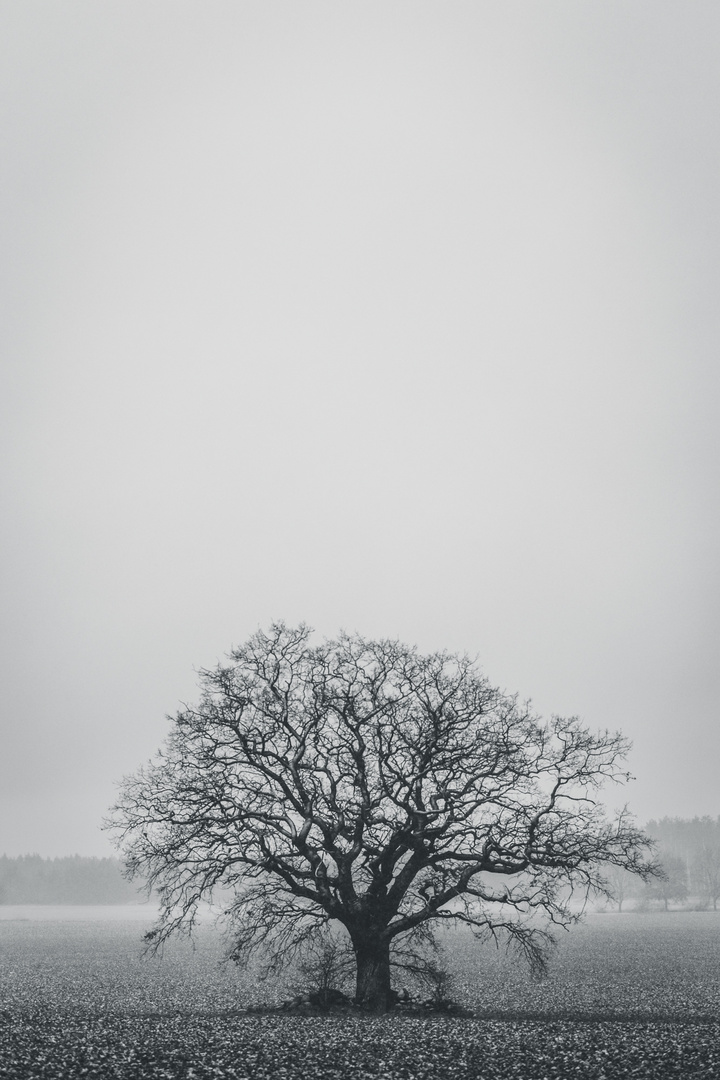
[
  {"x": 688, "y": 850},
  {"x": 75, "y": 879},
  {"x": 690, "y": 854}
]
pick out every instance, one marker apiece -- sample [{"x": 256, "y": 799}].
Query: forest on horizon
[
  {"x": 688, "y": 848},
  {"x": 73, "y": 879}
]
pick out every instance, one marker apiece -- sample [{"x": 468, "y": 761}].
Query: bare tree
[
  {"x": 707, "y": 870},
  {"x": 670, "y": 882},
  {"x": 621, "y": 884},
  {"x": 364, "y": 783}
]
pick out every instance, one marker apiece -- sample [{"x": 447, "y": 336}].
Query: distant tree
[
  {"x": 671, "y": 834},
  {"x": 620, "y": 885},
  {"x": 707, "y": 869},
  {"x": 362, "y": 783},
  {"x": 696, "y": 842},
  {"x": 671, "y": 882}
]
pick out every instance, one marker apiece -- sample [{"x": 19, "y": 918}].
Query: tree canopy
[{"x": 364, "y": 783}]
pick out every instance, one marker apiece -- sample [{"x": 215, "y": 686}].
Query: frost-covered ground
[{"x": 634, "y": 995}]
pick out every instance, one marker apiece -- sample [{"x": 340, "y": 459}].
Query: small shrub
[{"x": 325, "y": 964}]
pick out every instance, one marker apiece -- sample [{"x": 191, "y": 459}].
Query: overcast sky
[{"x": 397, "y": 317}]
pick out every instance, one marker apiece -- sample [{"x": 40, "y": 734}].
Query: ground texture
[{"x": 628, "y": 996}]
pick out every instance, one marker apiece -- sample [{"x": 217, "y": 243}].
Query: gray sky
[{"x": 398, "y": 317}]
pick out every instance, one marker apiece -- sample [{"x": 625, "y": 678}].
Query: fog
[{"x": 393, "y": 317}]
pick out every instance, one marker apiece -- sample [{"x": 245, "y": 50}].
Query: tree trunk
[{"x": 372, "y": 991}]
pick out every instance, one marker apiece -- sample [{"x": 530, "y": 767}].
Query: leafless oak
[{"x": 362, "y": 782}]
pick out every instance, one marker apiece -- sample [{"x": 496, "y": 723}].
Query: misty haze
[{"x": 359, "y": 485}]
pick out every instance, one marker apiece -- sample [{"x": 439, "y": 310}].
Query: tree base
[{"x": 336, "y": 1003}]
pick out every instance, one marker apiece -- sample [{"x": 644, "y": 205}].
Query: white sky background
[{"x": 400, "y": 317}]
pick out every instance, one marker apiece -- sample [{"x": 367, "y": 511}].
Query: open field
[{"x": 634, "y": 995}]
